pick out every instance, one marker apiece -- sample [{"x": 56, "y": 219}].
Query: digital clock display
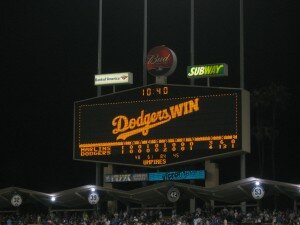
[
  {"x": 155, "y": 91},
  {"x": 160, "y": 125}
]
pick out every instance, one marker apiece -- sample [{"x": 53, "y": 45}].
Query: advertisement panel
[
  {"x": 113, "y": 79},
  {"x": 161, "y": 61},
  {"x": 156, "y": 176},
  {"x": 208, "y": 70},
  {"x": 112, "y": 178},
  {"x": 177, "y": 175}
]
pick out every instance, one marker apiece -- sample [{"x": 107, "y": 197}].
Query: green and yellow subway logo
[{"x": 209, "y": 70}]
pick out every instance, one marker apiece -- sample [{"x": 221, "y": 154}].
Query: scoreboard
[{"x": 161, "y": 125}]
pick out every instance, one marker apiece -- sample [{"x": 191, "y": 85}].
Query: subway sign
[
  {"x": 208, "y": 70},
  {"x": 161, "y": 125}
]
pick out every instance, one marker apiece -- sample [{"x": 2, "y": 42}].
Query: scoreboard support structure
[
  {"x": 99, "y": 166},
  {"x": 102, "y": 169}
]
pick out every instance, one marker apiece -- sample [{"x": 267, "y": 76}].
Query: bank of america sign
[{"x": 113, "y": 78}]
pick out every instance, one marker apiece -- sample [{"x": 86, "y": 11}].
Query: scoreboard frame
[{"x": 160, "y": 125}]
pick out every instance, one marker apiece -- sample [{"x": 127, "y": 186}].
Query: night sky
[{"x": 49, "y": 59}]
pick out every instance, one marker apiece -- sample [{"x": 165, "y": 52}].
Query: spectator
[{"x": 9, "y": 221}]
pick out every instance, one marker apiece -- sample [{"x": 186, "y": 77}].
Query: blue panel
[{"x": 177, "y": 175}]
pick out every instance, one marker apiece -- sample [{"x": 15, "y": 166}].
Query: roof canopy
[{"x": 232, "y": 193}]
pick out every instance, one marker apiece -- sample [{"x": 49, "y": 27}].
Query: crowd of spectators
[{"x": 155, "y": 217}]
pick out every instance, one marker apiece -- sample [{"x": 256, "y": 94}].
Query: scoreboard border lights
[{"x": 161, "y": 125}]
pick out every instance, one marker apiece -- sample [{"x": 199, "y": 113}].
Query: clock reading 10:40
[{"x": 155, "y": 91}]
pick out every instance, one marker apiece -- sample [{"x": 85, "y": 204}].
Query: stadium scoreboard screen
[{"x": 161, "y": 125}]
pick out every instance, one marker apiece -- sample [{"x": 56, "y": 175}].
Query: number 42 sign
[{"x": 173, "y": 194}]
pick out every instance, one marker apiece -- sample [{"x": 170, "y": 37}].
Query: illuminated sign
[
  {"x": 173, "y": 194},
  {"x": 177, "y": 175},
  {"x": 161, "y": 61},
  {"x": 113, "y": 78},
  {"x": 16, "y": 200},
  {"x": 258, "y": 192},
  {"x": 157, "y": 176},
  {"x": 160, "y": 125},
  {"x": 209, "y": 70},
  {"x": 125, "y": 177},
  {"x": 93, "y": 198}
]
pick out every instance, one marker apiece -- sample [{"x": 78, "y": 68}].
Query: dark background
[{"x": 49, "y": 58}]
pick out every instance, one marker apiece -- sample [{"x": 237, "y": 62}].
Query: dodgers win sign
[{"x": 161, "y": 125}]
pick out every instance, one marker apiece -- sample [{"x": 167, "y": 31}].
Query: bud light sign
[{"x": 161, "y": 61}]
